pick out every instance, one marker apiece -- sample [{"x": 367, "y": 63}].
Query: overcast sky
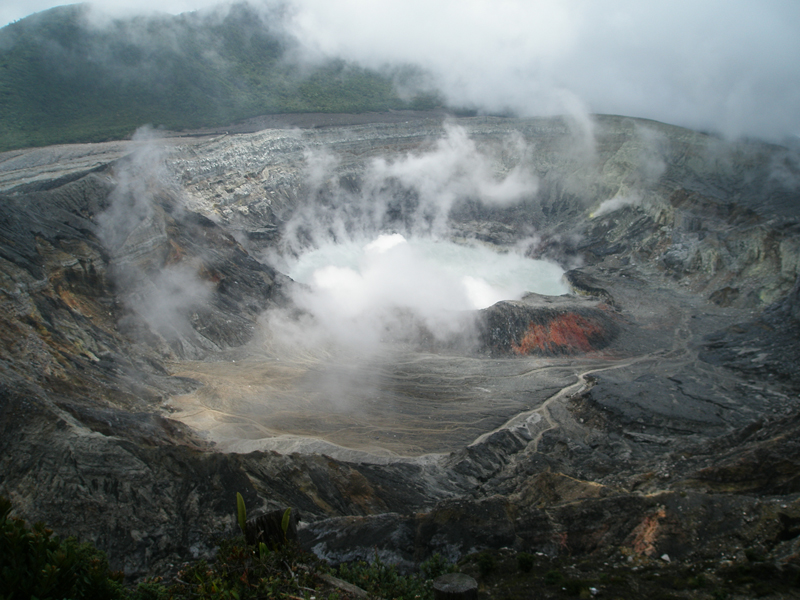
[{"x": 725, "y": 65}]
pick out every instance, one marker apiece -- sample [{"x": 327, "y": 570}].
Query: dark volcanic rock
[
  {"x": 652, "y": 411},
  {"x": 767, "y": 348},
  {"x": 539, "y": 326}
]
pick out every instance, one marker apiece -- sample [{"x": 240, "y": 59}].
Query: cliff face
[{"x": 636, "y": 413}]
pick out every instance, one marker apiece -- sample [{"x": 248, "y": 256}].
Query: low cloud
[
  {"x": 723, "y": 66},
  {"x": 729, "y": 67}
]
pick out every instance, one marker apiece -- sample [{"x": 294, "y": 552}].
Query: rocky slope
[{"x": 652, "y": 411}]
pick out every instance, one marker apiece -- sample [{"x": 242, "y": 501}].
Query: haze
[{"x": 728, "y": 67}]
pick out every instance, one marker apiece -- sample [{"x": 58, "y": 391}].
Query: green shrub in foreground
[
  {"x": 35, "y": 563},
  {"x": 525, "y": 562},
  {"x": 385, "y": 581}
]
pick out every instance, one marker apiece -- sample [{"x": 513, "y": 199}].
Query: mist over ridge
[
  {"x": 726, "y": 68},
  {"x": 74, "y": 74}
]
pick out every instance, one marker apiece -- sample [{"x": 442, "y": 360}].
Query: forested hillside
[{"x": 68, "y": 76}]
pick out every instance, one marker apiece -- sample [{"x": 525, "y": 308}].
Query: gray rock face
[{"x": 144, "y": 380}]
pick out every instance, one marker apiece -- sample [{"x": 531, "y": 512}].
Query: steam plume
[
  {"x": 133, "y": 229},
  {"x": 378, "y": 228}
]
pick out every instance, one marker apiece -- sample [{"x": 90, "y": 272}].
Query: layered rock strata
[{"x": 655, "y": 415}]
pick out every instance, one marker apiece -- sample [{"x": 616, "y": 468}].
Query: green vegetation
[
  {"x": 385, "y": 581},
  {"x": 525, "y": 562},
  {"x": 64, "y": 79},
  {"x": 487, "y": 563},
  {"x": 241, "y": 571},
  {"x": 35, "y": 563},
  {"x": 241, "y": 513}
]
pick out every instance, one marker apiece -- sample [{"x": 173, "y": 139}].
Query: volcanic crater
[{"x": 157, "y": 358}]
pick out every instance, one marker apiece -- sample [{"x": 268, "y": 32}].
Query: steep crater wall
[{"x": 123, "y": 265}]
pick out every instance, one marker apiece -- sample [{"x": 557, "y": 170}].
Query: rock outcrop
[{"x": 544, "y": 326}]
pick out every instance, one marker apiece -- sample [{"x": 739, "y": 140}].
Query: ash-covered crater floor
[
  {"x": 401, "y": 400},
  {"x": 157, "y": 359},
  {"x": 382, "y": 364},
  {"x": 402, "y": 405}
]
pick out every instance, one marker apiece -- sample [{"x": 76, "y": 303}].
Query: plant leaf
[
  {"x": 285, "y": 521},
  {"x": 241, "y": 512}
]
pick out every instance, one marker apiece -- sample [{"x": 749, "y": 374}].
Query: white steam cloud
[
  {"x": 646, "y": 154},
  {"x": 388, "y": 292},
  {"x": 376, "y": 258},
  {"x": 365, "y": 293},
  {"x": 133, "y": 230},
  {"x": 614, "y": 204},
  {"x": 727, "y": 66},
  {"x": 457, "y": 169},
  {"x": 412, "y": 195},
  {"x": 129, "y": 219}
]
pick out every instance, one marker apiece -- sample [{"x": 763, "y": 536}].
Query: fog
[
  {"x": 414, "y": 193},
  {"x": 724, "y": 66}
]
